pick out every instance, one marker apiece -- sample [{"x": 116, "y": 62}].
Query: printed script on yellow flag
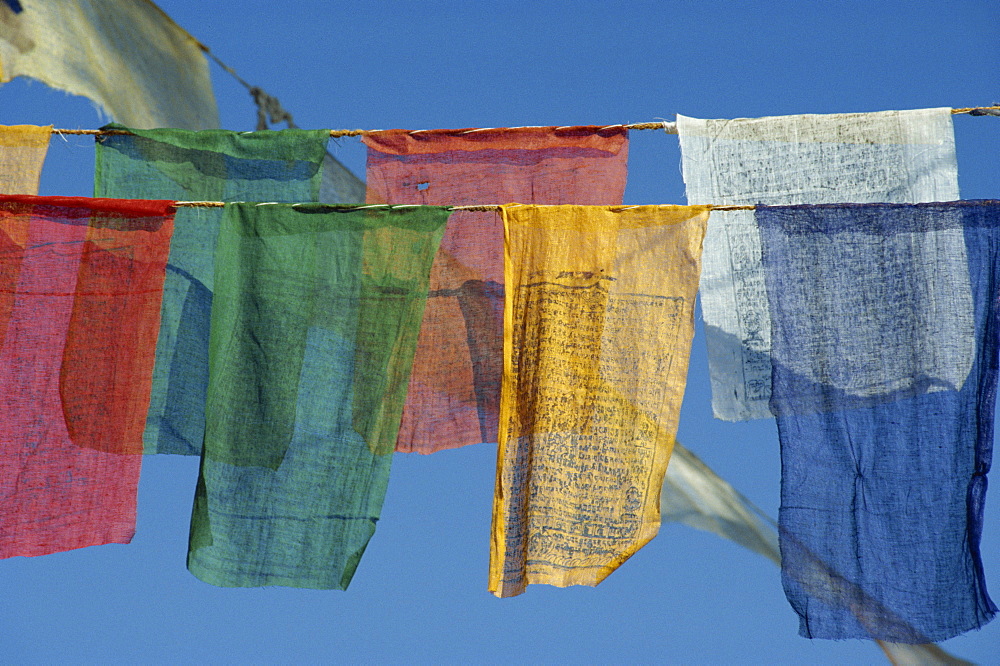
[{"x": 598, "y": 320}]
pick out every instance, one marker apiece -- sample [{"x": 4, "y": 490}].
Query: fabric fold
[
  {"x": 211, "y": 165},
  {"x": 598, "y": 326},
  {"x": 890, "y": 156},
  {"x": 884, "y": 381},
  {"x": 454, "y": 392},
  {"x": 130, "y": 59},
  {"x": 80, "y": 288},
  {"x": 22, "y": 153},
  {"x": 314, "y": 327}
]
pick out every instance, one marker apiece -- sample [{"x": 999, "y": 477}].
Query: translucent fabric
[
  {"x": 698, "y": 497},
  {"x": 22, "y": 153},
  {"x": 892, "y": 156},
  {"x": 597, "y": 331},
  {"x": 314, "y": 327},
  {"x": 884, "y": 456},
  {"x": 127, "y": 57},
  {"x": 454, "y": 393},
  {"x": 339, "y": 185},
  {"x": 80, "y": 287},
  {"x": 212, "y": 165}
]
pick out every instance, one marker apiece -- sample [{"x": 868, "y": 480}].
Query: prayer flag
[
  {"x": 211, "y": 165},
  {"x": 80, "y": 287},
  {"x": 891, "y": 156},
  {"x": 884, "y": 417},
  {"x": 314, "y": 327},
  {"x": 696, "y": 496},
  {"x": 127, "y": 57},
  {"x": 454, "y": 392},
  {"x": 22, "y": 153},
  {"x": 598, "y": 322}
]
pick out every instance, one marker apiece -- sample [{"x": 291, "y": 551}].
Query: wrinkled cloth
[
  {"x": 454, "y": 393},
  {"x": 314, "y": 327},
  {"x": 211, "y": 165},
  {"x": 598, "y": 319},
  {"x": 22, "y": 153},
  {"x": 80, "y": 287},
  {"x": 886, "y": 432},
  {"x": 129, "y": 58},
  {"x": 891, "y": 156}
]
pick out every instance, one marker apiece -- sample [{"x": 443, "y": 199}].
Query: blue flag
[{"x": 885, "y": 334}]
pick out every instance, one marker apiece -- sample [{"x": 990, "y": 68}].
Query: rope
[{"x": 668, "y": 127}]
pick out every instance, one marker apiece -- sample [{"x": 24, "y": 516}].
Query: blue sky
[{"x": 420, "y": 592}]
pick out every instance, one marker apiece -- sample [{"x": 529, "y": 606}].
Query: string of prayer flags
[
  {"x": 314, "y": 327},
  {"x": 598, "y": 322},
  {"x": 80, "y": 287},
  {"x": 454, "y": 392},
  {"x": 22, "y": 153},
  {"x": 129, "y": 58},
  {"x": 885, "y": 448},
  {"x": 211, "y": 165},
  {"x": 891, "y": 156}
]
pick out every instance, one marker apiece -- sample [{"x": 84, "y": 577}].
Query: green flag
[{"x": 314, "y": 325}]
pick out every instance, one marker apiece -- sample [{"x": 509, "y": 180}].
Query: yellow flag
[
  {"x": 22, "y": 152},
  {"x": 598, "y": 320},
  {"x": 128, "y": 57}
]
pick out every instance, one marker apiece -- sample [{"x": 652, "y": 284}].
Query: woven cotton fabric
[
  {"x": 314, "y": 327},
  {"x": 891, "y": 156},
  {"x": 133, "y": 61},
  {"x": 454, "y": 393},
  {"x": 22, "y": 153},
  {"x": 886, "y": 431},
  {"x": 598, "y": 324},
  {"x": 211, "y": 165},
  {"x": 80, "y": 287},
  {"x": 128, "y": 57}
]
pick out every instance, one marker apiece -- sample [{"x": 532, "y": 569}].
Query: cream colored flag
[
  {"x": 127, "y": 56},
  {"x": 598, "y": 319},
  {"x": 22, "y": 153}
]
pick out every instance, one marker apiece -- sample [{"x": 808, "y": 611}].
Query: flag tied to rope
[
  {"x": 211, "y": 165},
  {"x": 314, "y": 327},
  {"x": 22, "y": 153},
  {"x": 598, "y": 326},
  {"x": 454, "y": 392},
  {"x": 884, "y": 353},
  {"x": 80, "y": 287},
  {"x": 891, "y": 156}
]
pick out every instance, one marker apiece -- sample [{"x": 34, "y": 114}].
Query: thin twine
[
  {"x": 668, "y": 127},
  {"x": 481, "y": 208},
  {"x": 496, "y": 207}
]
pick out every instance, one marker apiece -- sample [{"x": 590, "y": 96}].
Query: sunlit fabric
[
  {"x": 314, "y": 327},
  {"x": 884, "y": 457},
  {"x": 454, "y": 392},
  {"x": 127, "y": 57},
  {"x": 22, "y": 153},
  {"x": 697, "y": 497},
  {"x": 598, "y": 322},
  {"x": 892, "y": 156},
  {"x": 80, "y": 286},
  {"x": 211, "y": 165}
]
